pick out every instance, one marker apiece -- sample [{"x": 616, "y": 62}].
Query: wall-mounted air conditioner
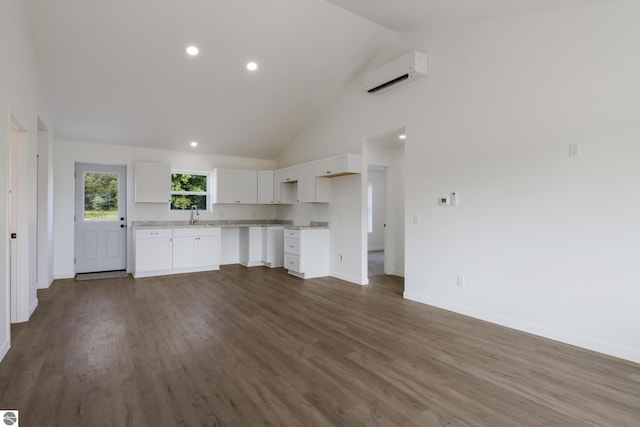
[{"x": 396, "y": 73}]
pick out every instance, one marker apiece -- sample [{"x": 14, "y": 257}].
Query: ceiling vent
[{"x": 398, "y": 72}]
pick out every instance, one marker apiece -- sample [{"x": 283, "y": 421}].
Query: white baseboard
[
  {"x": 583, "y": 342},
  {"x": 4, "y": 348},
  {"x": 399, "y": 273},
  {"x": 33, "y": 307},
  {"x": 64, "y": 276},
  {"x": 44, "y": 285},
  {"x": 349, "y": 278}
]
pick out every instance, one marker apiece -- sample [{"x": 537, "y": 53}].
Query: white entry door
[{"x": 101, "y": 233}]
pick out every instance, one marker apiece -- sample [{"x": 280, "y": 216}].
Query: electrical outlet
[
  {"x": 461, "y": 281},
  {"x": 340, "y": 257}
]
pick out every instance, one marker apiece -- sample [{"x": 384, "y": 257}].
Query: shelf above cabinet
[{"x": 344, "y": 164}]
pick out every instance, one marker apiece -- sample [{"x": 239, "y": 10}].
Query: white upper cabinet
[
  {"x": 247, "y": 186},
  {"x": 285, "y": 187},
  {"x": 310, "y": 188},
  {"x": 265, "y": 187},
  {"x": 152, "y": 182},
  {"x": 234, "y": 186},
  {"x": 287, "y": 174},
  {"x": 343, "y": 164}
]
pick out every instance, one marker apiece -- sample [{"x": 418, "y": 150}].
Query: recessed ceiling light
[
  {"x": 252, "y": 66},
  {"x": 402, "y": 136},
  {"x": 193, "y": 51},
  {"x": 194, "y": 144}
]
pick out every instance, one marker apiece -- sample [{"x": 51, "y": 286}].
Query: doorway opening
[
  {"x": 385, "y": 203},
  {"x": 100, "y": 218},
  {"x": 376, "y": 219}
]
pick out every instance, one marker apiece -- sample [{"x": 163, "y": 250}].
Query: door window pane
[{"x": 100, "y": 196}]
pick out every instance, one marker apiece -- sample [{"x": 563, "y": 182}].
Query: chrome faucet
[{"x": 195, "y": 214}]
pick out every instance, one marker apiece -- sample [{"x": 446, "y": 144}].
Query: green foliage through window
[
  {"x": 188, "y": 189},
  {"x": 100, "y": 196}
]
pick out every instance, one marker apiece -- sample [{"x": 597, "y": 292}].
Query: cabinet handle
[{"x": 328, "y": 171}]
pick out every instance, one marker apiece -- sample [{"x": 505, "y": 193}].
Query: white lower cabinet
[
  {"x": 196, "y": 249},
  {"x": 153, "y": 252},
  {"x": 272, "y": 246},
  {"x": 180, "y": 250},
  {"x": 306, "y": 252}
]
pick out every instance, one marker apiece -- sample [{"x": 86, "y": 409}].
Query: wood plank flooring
[{"x": 254, "y": 347}]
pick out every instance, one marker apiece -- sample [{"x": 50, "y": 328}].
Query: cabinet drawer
[
  {"x": 292, "y": 246},
  {"x": 154, "y": 233},
  {"x": 291, "y": 234},
  {"x": 196, "y": 232},
  {"x": 292, "y": 262}
]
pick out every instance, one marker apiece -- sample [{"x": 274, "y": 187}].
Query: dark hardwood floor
[
  {"x": 253, "y": 347},
  {"x": 376, "y": 263}
]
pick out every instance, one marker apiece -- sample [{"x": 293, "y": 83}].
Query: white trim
[
  {"x": 348, "y": 278},
  {"x": 33, "y": 307},
  {"x": 45, "y": 285},
  {"x": 4, "y": 348},
  {"x": 586, "y": 343},
  {"x": 168, "y": 272},
  {"x": 19, "y": 141}
]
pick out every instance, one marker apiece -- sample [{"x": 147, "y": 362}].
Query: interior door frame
[
  {"x": 122, "y": 194},
  {"x": 18, "y": 248},
  {"x": 388, "y": 223}
]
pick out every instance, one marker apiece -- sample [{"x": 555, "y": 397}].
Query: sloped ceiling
[
  {"x": 409, "y": 15},
  {"x": 116, "y": 71}
]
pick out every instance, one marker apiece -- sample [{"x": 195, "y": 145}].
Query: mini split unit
[{"x": 396, "y": 73}]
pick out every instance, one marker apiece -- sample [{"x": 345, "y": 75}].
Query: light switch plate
[{"x": 574, "y": 150}]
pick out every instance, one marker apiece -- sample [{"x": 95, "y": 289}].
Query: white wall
[
  {"x": 546, "y": 244},
  {"x": 19, "y": 96},
  {"x": 67, "y": 153}
]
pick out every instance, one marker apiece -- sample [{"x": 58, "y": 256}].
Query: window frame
[{"x": 206, "y": 193}]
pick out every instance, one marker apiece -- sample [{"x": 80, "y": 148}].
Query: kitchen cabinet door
[
  {"x": 247, "y": 186},
  {"x": 208, "y": 251},
  {"x": 184, "y": 252},
  {"x": 153, "y": 251},
  {"x": 265, "y": 187},
  {"x": 152, "y": 182},
  {"x": 225, "y": 186}
]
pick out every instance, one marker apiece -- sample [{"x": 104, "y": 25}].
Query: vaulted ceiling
[{"x": 117, "y": 72}]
